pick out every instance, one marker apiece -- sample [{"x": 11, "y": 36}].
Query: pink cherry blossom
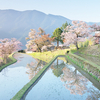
[
  {"x": 8, "y": 46},
  {"x": 75, "y": 33}
]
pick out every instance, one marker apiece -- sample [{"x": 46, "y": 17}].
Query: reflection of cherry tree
[
  {"x": 34, "y": 68},
  {"x": 18, "y": 56},
  {"x": 95, "y": 94},
  {"x": 74, "y": 82}
]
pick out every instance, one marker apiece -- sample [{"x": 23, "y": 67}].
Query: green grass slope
[{"x": 91, "y": 50}]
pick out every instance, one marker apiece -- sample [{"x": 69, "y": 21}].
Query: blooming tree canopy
[
  {"x": 95, "y": 27},
  {"x": 8, "y": 46},
  {"x": 77, "y": 32},
  {"x": 38, "y": 39}
]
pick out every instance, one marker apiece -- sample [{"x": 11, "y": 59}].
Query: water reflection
[
  {"x": 34, "y": 67},
  {"x": 57, "y": 68},
  {"x": 61, "y": 81},
  {"x": 14, "y": 77},
  {"x": 74, "y": 81},
  {"x": 95, "y": 94},
  {"x": 17, "y": 56}
]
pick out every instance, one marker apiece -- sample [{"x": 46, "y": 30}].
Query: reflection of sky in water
[
  {"x": 14, "y": 77},
  {"x": 51, "y": 87}
]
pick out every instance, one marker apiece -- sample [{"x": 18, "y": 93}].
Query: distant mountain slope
[{"x": 18, "y": 23}]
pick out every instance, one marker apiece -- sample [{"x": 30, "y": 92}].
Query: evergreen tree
[{"x": 57, "y": 35}]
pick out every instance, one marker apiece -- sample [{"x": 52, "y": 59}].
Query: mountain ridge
[{"x": 17, "y": 24}]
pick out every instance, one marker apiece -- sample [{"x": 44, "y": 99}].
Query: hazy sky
[{"x": 86, "y": 10}]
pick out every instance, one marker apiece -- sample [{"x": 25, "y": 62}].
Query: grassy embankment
[
  {"x": 13, "y": 60},
  {"x": 47, "y": 56},
  {"x": 91, "y": 50}
]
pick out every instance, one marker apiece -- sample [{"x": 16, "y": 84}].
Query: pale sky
[{"x": 85, "y": 10}]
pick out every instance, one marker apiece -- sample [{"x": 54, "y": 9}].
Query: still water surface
[
  {"x": 15, "y": 76},
  {"x": 62, "y": 81}
]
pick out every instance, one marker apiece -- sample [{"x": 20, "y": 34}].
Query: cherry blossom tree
[
  {"x": 38, "y": 39},
  {"x": 75, "y": 33},
  {"x": 95, "y": 27},
  {"x": 8, "y": 46}
]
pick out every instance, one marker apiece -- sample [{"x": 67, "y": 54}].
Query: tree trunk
[
  {"x": 77, "y": 45},
  {"x": 57, "y": 43},
  {"x": 5, "y": 59},
  {"x": 39, "y": 49}
]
